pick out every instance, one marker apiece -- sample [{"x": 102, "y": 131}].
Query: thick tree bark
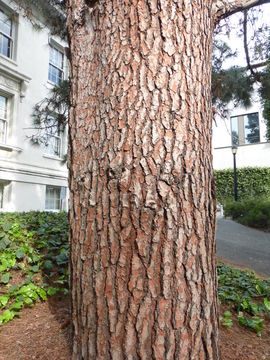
[{"x": 142, "y": 203}]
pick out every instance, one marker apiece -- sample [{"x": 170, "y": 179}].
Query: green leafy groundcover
[
  {"x": 34, "y": 265},
  {"x": 253, "y": 182},
  {"x": 246, "y": 294},
  {"x": 33, "y": 259}
]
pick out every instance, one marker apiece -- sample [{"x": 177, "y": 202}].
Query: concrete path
[{"x": 243, "y": 245}]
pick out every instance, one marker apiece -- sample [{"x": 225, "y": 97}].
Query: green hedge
[
  {"x": 253, "y": 182},
  {"x": 250, "y": 212}
]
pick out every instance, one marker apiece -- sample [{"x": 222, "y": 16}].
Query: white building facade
[
  {"x": 31, "y": 63},
  {"x": 245, "y": 128}
]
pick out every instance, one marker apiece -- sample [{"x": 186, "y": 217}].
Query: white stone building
[
  {"x": 31, "y": 63},
  {"x": 245, "y": 128}
]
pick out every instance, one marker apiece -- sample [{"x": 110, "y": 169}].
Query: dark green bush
[
  {"x": 250, "y": 212},
  {"x": 252, "y": 183}
]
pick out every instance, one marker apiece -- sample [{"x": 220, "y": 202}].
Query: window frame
[
  {"x": 55, "y": 46},
  {"x": 242, "y": 141},
  {"x": 11, "y": 37},
  {"x": 7, "y": 117}
]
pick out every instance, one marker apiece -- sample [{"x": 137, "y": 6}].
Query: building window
[
  {"x": 245, "y": 129},
  {"x": 6, "y": 35},
  {"x": 1, "y": 196},
  {"x": 3, "y": 118},
  {"x": 56, "y": 65},
  {"x": 53, "y": 198},
  {"x": 54, "y": 136}
]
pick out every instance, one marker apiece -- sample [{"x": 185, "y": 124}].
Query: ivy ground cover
[{"x": 33, "y": 260}]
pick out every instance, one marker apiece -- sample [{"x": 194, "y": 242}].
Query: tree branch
[
  {"x": 250, "y": 68},
  {"x": 225, "y": 8},
  {"x": 259, "y": 65}
]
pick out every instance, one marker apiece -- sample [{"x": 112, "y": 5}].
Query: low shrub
[{"x": 250, "y": 212}]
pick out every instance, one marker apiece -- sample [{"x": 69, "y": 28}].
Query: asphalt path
[{"x": 243, "y": 245}]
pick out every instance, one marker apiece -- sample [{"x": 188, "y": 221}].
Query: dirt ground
[{"x": 43, "y": 333}]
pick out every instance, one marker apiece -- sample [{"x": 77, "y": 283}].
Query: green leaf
[
  {"x": 19, "y": 254},
  {"x": 28, "y": 302},
  {"x": 52, "y": 291},
  {"x": 266, "y": 303},
  {"x": 35, "y": 268},
  {"x": 8, "y": 315},
  {"x": 47, "y": 265},
  {"x": 42, "y": 293},
  {"x": 16, "y": 306},
  {"x": 5, "y": 278},
  {"x": 7, "y": 227},
  {"x": 62, "y": 259},
  {"x": 13, "y": 288},
  {"x": 259, "y": 288},
  {"x": 4, "y": 300},
  {"x": 3, "y": 244}
]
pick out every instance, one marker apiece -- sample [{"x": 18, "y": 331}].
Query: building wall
[
  {"x": 257, "y": 154},
  {"x": 26, "y": 170}
]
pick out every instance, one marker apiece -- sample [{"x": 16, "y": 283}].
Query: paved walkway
[{"x": 243, "y": 245}]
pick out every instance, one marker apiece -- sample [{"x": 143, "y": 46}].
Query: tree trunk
[{"x": 142, "y": 197}]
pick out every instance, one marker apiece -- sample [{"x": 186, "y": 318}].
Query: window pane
[
  {"x": 235, "y": 135},
  {"x": 3, "y": 107},
  {"x": 55, "y": 75},
  {"x": 252, "y": 130},
  {"x": 5, "y": 24},
  {"x": 52, "y": 126},
  {"x": 56, "y": 58},
  {"x": 5, "y": 46},
  {"x": 52, "y": 201},
  {"x": 3, "y": 118},
  {"x": 53, "y": 145}
]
